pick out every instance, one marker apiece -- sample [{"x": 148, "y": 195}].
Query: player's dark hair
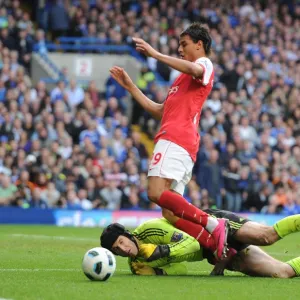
[
  {"x": 111, "y": 233},
  {"x": 198, "y": 32}
]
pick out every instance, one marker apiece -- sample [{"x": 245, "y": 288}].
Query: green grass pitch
[{"x": 44, "y": 262}]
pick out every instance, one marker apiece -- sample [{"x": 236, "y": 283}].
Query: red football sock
[
  {"x": 197, "y": 231},
  {"x": 182, "y": 209}
]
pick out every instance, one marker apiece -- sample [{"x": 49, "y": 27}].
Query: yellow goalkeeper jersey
[{"x": 183, "y": 247}]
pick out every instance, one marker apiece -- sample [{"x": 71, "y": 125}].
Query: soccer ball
[{"x": 98, "y": 264}]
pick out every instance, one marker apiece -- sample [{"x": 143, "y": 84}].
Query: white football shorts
[{"x": 173, "y": 162}]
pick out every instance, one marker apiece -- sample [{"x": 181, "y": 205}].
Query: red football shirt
[{"x": 182, "y": 108}]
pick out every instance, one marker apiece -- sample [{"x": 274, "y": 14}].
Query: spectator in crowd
[
  {"x": 251, "y": 121},
  {"x": 59, "y": 18},
  {"x": 206, "y": 200},
  {"x": 256, "y": 201},
  {"x": 74, "y": 93},
  {"x": 36, "y": 200},
  {"x": 72, "y": 201},
  {"x": 113, "y": 89},
  {"x": 293, "y": 204},
  {"x": 131, "y": 198},
  {"x": 7, "y": 190},
  {"x": 210, "y": 178},
  {"x": 112, "y": 195},
  {"x": 40, "y": 45},
  {"x": 50, "y": 195},
  {"x": 233, "y": 197},
  {"x": 58, "y": 92},
  {"x": 142, "y": 151},
  {"x": 246, "y": 153},
  {"x": 279, "y": 198},
  {"x": 85, "y": 203}
]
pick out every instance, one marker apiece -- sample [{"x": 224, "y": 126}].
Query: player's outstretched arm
[
  {"x": 180, "y": 65},
  {"x": 139, "y": 268},
  {"x": 121, "y": 76},
  {"x": 154, "y": 252}
]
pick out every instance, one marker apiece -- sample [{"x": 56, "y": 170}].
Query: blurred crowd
[{"x": 74, "y": 148}]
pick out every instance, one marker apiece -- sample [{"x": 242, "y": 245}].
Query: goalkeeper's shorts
[{"x": 235, "y": 223}]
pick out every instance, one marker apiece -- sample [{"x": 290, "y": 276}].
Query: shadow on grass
[{"x": 167, "y": 278}]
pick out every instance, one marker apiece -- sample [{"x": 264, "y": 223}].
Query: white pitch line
[
  {"x": 49, "y": 270},
  {"x": 38, "y": 270},
  {"x": 62, "y": 238},
  {"x": 79, "y": 270},
  {"x": 52, "y": 237}
]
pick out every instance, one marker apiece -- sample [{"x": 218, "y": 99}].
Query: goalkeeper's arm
[
  {"x": 168, "y": 269},
  {"x": 152, "y": 252}
]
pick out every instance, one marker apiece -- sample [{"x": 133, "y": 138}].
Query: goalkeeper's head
[{"x": 119, "y": 240}]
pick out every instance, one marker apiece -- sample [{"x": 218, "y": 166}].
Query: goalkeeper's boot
[{"x": 220, "y": 237}]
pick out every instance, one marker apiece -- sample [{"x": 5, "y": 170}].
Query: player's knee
[
  {"x": 270, "y": 241},
  {"x": 272, "y": 235},
  {"x": 282, "y": 273},
  {"x": 264, "y": 239},
  {"x": 269, "y": 236},
  {"x": 156, "y": 186},
  {"x": 167, "y": 214},
  {"x": 153, "y": 193}
]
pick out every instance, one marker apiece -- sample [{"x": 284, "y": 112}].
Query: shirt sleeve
[
  {"x": 161, "y": 232},
  {"x": 208, "y": 69},
  {"x": 183, "y": 247},
  {"x": 175, "y": 269},
  {"x": 188, "y": 245},
  {"x": 169, "y": 269}
]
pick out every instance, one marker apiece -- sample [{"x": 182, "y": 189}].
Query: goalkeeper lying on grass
[{"x": 159, "y": 246}]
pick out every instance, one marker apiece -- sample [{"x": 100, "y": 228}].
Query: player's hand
[
  {"x": 217, "y": 271},
  {"x": 143, "y": 47},
  {"x": 221, "y": 265},
  {"x": 153, "y": 252},
  {"x": 142, "y": 269},
  {"x": 219, "y": 268},
  {"x": 121, "y": 76}
]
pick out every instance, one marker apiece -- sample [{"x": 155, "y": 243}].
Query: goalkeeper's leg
[
  {"x": 255, "y": 262},
  {"x": 262, "y": 235},
  {"x": 287, "y": 226}
]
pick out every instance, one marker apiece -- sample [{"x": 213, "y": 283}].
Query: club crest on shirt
[
  {"x": 176, "y": 237},
  {"x": 173, "y": 90}
]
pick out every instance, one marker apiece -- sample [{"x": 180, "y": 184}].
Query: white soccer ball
[{"x": 98, "y": 264}]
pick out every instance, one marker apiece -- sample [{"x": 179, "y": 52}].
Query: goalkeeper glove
[
  {"x": 153, "y": 252},
  {"x": 142, "y": 269}
]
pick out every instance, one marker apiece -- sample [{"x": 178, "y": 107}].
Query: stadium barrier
[
  {"x": 87, "y": 46},
  {"x": 96, "y": 218}
]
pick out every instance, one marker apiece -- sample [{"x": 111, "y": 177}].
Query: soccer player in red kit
[{"x": 177, "y": 142}]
